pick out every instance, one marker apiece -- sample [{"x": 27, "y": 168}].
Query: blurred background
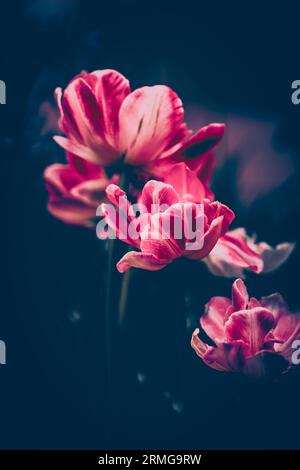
[{"x": 229, "y": 62}]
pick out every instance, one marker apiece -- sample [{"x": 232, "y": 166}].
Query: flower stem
[
  {"x": 124, "y": 296},
  {"x": 112, "y": 313}
]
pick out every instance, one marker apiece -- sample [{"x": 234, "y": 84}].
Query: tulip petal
[
  {"x": 60, "y": 179},
  {"x": 84, "y": 168},
  {"x": 276, "y": 304},
  {"x": 214, "y": 318},
  {"x": 210, "y": 239},
  {"x": 240, "y": 297},
  {"x": 200, "y": 143},
  {"x": 119, "y": 223},
  {"x": 110, "y": 88},
  {"x": 232, "y": 254},
  {"x": 90, "y": 192},
  {"x": 83, "y": 151},
  {"x": 150, "y": 118},
  {"x": 72, "y": 212},
  {"x": 274, "y": 257},
  {"x": 203, "y": 166},
  {"x": 287, "y": 328},
  {"x": 225, "y": 357},
  {"x": 186, "y": 183},
  {"x": 156, "y": 194},
  {"x": 251, "y": 326},
  {"x": 134, "y": 259}
]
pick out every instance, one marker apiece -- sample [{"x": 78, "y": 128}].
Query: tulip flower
[
  {"x": 250, "y": 336},
  {"x": 107, "y": 124},
  {"x": 75, "y": 190},
  {"x": 161, "y": 207},
  {"x": 236, "y": 252}
]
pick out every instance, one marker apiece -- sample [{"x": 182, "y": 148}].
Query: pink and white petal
[
  {"x": 64, "y": 124},
  {"x": 99, "y": 157},
  {"x": 250, "y": 326},
  {"x": 118, "y": 197},
  {"x": 235, "y": 251},
  {"x": 150, "y": 118},
  {"x": 186, "y": 183},
  {"x": 286, "y": 330},
  {"x": 240, "y": 297},
  {"x": 198, "y": 345},
  {"x": 229, "y": 357},
  {"x": 110, "y": 88},
  {"x": 213, "y": 320},
  {"x": 80, "y": 104},
  {"x": 276, "y": 304},
  {"x": 83, "y": 167},
  {"x": 119, "y": 224},
  {"x": 60, "y": 179},
  {"x": 72, "y": 212},
  {"x": 210, "y": 239},
  {"x": 91, "y": 192},
  {"x": 218, "y": 267},
  {"x": 274, "y": 257},
  {"x": 156, "y": 194},
  {"x": 216, "y": 209},
  {"x": 164, "y": 250},
  {"x": 200, "y": 143},
  {"x": 253, "y": 303},
  {"x": 135, "y": 259},
  {"x": 203, "y": 166}
]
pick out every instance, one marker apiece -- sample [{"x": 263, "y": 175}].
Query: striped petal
[{"x": 150, "y": 119}]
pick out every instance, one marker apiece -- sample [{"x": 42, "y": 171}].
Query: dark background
[{"x": 227, "y": 58}]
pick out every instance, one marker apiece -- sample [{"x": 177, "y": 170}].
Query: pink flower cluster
[
  {"x": 250, "y": 336},
  {"x": 108, "y": 130}
]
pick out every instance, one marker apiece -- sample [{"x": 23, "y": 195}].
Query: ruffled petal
[
  {"x": 214, "y": 318},
  {"x": 274, "y": 257},
  {"x": 119, "y": 222},
  {"x": 156, "y": 195},
  {"x": 227, "y": 357},
  {"x": 232, "y": 255},
  {"x": 251, "y": 326},
  {"x": 134, "y": 259},
  {"x": 210, "y": 239}
]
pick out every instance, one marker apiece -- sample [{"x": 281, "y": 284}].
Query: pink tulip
[
  {"x": 236, "y": 251},
  {"x": 250, "y": 336},
  {"x": 161, "y": 204},
  {"x": 105, "y": 123},
  {"x": 75, "y": 190}
]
